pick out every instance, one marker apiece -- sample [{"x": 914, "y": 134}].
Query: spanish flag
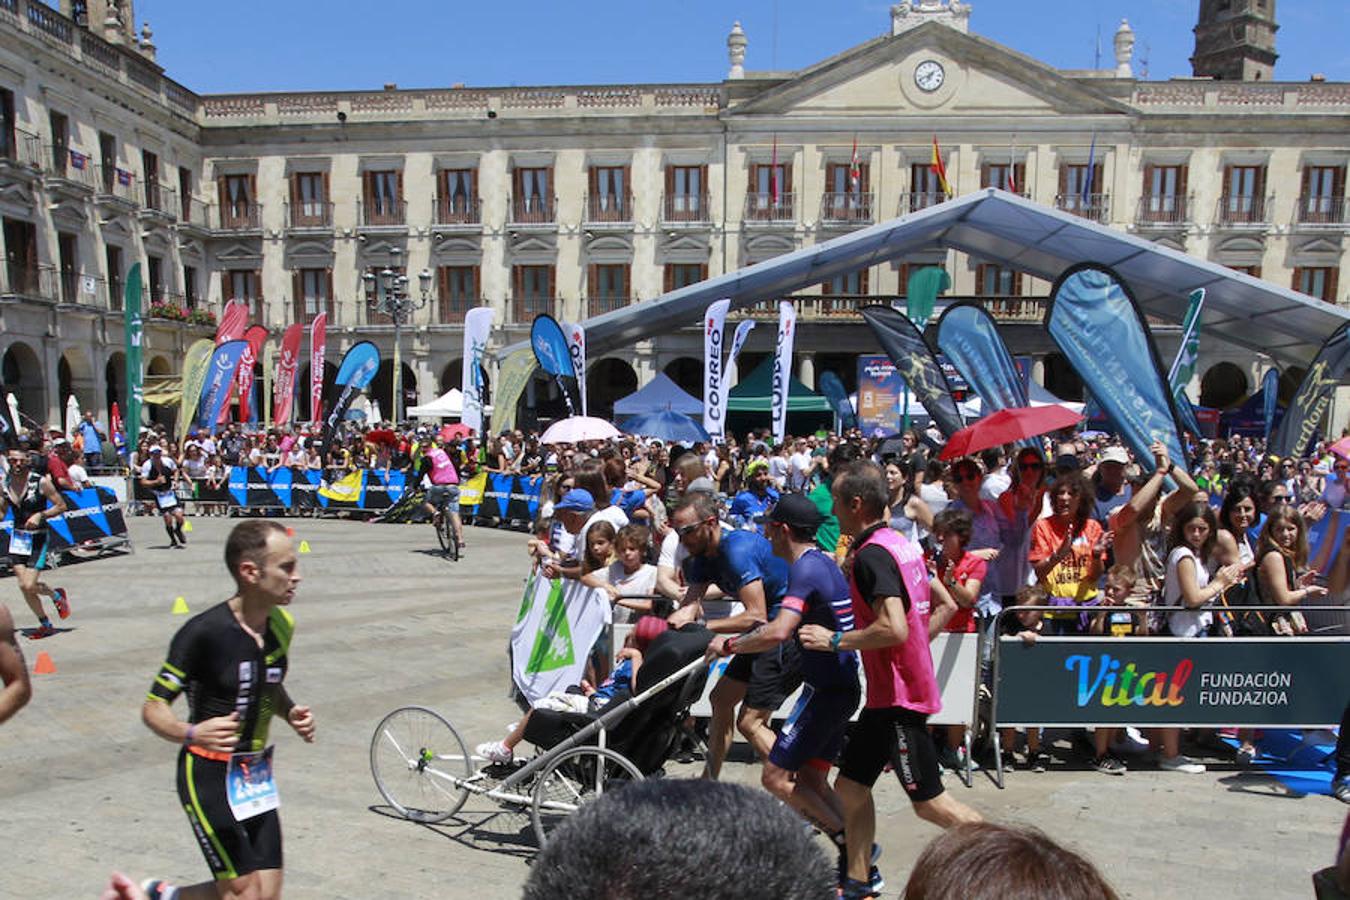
[{"x": 940, "y": 169}]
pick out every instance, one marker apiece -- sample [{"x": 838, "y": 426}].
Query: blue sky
[{"x": 250, "y": 45}]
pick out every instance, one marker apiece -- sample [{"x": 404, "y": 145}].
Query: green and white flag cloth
[
  {"x": 1183, "y": 367},
  {"x": 558, "y": 623}
]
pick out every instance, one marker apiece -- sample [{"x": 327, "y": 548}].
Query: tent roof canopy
[
  {"x": 754, "y": 393},
  {"x": 998, "y": 227},
  {"x": 661, "y": 393}
]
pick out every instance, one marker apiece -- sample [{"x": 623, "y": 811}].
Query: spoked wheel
[
  {"x": 574, "y": 779},
  {"x": 445, "y": 532},
  {"x": 416, "y": 757}
]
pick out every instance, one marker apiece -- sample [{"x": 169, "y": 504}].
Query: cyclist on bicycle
[{"x": 443, "y": 492}]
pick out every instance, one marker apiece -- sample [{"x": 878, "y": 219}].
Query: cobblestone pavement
[{"x": 383, "y": 622}]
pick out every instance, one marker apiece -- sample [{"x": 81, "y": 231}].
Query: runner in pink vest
[{"x": 892, "y": 597}]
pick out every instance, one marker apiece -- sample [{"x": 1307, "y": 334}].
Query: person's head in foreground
[
  {"x": 682, "y": 838},
  {"x": 984, "y": 861}
]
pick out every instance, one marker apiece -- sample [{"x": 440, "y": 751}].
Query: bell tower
[{"x": 1235, "y": 40}]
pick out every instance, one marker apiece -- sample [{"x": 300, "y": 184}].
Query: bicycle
[{"x": 444, "y": 524}]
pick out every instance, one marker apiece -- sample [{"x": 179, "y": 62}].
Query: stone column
[
  {"x": 1038, "y": 370},
  {"x": 806, "y": 372}
]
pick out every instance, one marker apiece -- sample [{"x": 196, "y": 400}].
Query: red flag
[
  {"x": 283, "y": 389},
  {"x": 773, "y": 173},
  {"x": 243, "y": 376},
  {"x": 855, "y": 169},
  {"x": 940, "y": 169},
  {"x": 233, "y": 320},
  {"x": 318, "y": 338},
  {"x": 1012, "y": 177},
  {"x": 115, "y": 420}
]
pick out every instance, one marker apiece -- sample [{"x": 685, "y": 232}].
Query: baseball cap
[
  {"x": 156, "y": 449},
  {"x": 1067, "y": 462},
  {"x": 576, "y": 500},
  {"x": 59, "y": 441},
  {"x": 1115, "y": 455},
  {"x": 797, "y": 511}
]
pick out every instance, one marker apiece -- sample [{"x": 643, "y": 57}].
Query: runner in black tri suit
[
  {"x": 33, "y": 499},
  {"x": 817, "y": 593},
  {"x": 232, "y": 661}
]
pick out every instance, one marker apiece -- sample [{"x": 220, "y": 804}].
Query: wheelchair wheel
[
  {"x": 415, "y": 757},
  {"x": 574, "y": 779}
]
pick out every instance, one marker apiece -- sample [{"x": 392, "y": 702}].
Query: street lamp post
[{"x": 387, "y": 293}]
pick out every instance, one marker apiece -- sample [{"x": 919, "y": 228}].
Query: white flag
[
  {"x": 714, "y": 391},
  {"x": 576, "y": 346},
  {"x": 558, "y": 623},
  {"x": 742, "y": 332},
  {"x": 477, "y": 327},
  {"x": 782, "y": 368}
]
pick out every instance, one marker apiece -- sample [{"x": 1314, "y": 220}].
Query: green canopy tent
[{"x": 750, "y": 403}]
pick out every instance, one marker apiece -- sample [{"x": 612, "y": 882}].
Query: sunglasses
[
  {"x": 686, "y": 530},
  {"x": 968, "y": 476},
  {"x": 1279, "y": 498},
  {"x": 1031, "y": 466}
]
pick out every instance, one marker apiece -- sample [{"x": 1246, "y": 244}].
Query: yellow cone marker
[
  {"x": 180, "y": 607},
  {"x": 187, "y": 526},
  {"x": 304, "y": 546}
]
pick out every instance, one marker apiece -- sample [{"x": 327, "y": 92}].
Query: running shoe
[
  {"x": 856, "y": 890},
  {"x": 1038, "y": 761},
  {"x": 157, "y": 888},
  {"x": 42, "y": 631},
  {"x": 1341, "y": 789},
  {"x": 1181, "y": 763},
  {"x": 1246, "y": 755},
  {"x": 1109, "y": 765},
  {"x": 494, "y": 752},
  {"x": 875, "y": 883},
  {"x": 62, "y": 602}
]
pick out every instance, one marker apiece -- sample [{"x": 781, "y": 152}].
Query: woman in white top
[
  {"x": 909, "y": 515},
  {"x": 1189, "y": 593}
]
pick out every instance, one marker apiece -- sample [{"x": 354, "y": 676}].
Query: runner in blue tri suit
[{"x": 818, "y": 594}]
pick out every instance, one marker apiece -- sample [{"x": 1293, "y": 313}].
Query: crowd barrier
[
  {"x": 1169, "y": 682},
  {"x": 503, "y": 499},
  {"x": 93, "y": 520}
]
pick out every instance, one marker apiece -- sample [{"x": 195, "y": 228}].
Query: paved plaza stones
[{"x": 382, "y": 621}]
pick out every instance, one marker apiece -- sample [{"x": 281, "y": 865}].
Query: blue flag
[
  {"x": 1099, "y": 329},
  {"x": 219, "y": 379},
  {"x": 833, "y": 389},
  {"x": 967, "y": 335},
  {"x": 357, "y": 370},
  {"x": 550, "y": 347},
  {"x": 1270, "y": 397},
  {"x": 1091, "y": 170}
]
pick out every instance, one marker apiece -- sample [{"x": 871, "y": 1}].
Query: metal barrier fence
[{"x": 1167, "y": 682}]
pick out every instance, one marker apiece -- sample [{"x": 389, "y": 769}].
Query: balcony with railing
[
  {"x": 608, "y": 210},
  {"x": 917, "y": 200},
  {"x": 1095, "y": 207},
  {"x": 524, "y": 309},
  {"x": 194, "y": 213},
  {"x": 382, "y": 213},
  {"x": 451, "y": 310},
  {"x": 459, "y": 210},
  {"x": 79, "y": 289},
  {"x": 32, "y": 282},
  {"x": 1320, "y": 211},
  {"x": 686, "y": 209},
  {"x": 20, "y": 154},
  {"x": 160, "y": 202},
  {"x": 596, "y": 306},
  {"x": 116, "y": 186},
  {"x": 1163, "y": 211},
  {"x": 239, "y": 216},
  {"x": 1243, "y": 211},
  {"x": 845, "y": 209},
  {"x": 67, "y": 169},
  {"x": 533, "y": 210},
  {"x": 769, "y": 209},
  {"x": 309, "y": 214}
]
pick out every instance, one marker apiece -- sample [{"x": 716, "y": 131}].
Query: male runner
[
  {"x": 232, "y": 660},
  {"x": 158, "y": 474},
  {"x": 890, "y": 587},
  {"x": 443, "y": 492},
  {"x": 742, "y": 564},
  {"x": 27, "y": 494},
  {"x": 800, "y": 761},
  {"x": 17, "y": 689}
]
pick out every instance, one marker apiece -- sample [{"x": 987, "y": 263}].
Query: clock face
[{"x": 929, "y": 75}]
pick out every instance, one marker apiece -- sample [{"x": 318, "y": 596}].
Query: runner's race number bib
[
  {"x": 21, "y": 543},
  {"x": 249, "y": 785},
  {"x": 166, "y": 499}
]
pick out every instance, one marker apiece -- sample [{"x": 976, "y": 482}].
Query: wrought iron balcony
[
  {"x": 847, "y": 208},
  {"x": 1163, "y": 210},
  {"x": 612, "y": 209},
  {"x": 239, "y": 216},
  {"x": 685, "y": 209},
  {"x": 1243, "y": 211},
  {"x": 770, "y": 208},
  {"x": 382, "y": 213},
  {"x": 533, "y": 210},
  {"x": 459, "y": 210},
  {"x": 1321, "y": 210},
  {"x": 1096, "y": 207},
  {"x": 309, "y": 214}
]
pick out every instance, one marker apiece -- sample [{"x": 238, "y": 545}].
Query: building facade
[{"x": 575, "y": 200}]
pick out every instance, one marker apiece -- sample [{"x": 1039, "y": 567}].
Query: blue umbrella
[{"x": 666, "y": 425}]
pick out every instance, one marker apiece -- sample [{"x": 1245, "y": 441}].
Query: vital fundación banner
[
  {"x": 916, "y": 364},
  {"x": 554, "y": 356},
  {"x": 1098, "y": 327},
  {"x": 576, "y": 349},
  {"x": 318, "y": 345},
  {"x": 782, "y": 367},
  {"x": 714, "y": 391},
  {"x": 1302, "y": 419},
  {"x": 558, "y": 622},
  {"x": 358, "y": 369},
  {"x": 477, "y": 328},
  {"x": 219, "y": 379},
  {"x": 283, "y": 389}
]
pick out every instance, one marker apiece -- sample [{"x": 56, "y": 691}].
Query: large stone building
[{"x": 575, "y": 200}]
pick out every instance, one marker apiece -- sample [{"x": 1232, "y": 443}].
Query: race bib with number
[
  {"x": 21, "y": 543},
  {"x": 166, "y": 499},
  {"x": 249, "y": 785}
]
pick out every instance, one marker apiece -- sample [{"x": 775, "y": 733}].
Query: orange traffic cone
[{"x": 44, "y": 665}]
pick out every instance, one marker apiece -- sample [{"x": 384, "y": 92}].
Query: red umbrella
[
  {"x": 381, "y": 436},
  {"x": 1007, "y": 426},
  {"x": 455, "y": 431}
]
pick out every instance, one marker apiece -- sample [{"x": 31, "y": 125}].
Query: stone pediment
[{"x": 977, "y": 76}]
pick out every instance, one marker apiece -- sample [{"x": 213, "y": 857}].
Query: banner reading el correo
[
  {"x": 1276, "y": 682},
  {"x": 714, "y": 390},
  {"x": 782, "y": 368}
]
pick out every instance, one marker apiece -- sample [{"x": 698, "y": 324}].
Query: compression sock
[
  {"x": 173, "y": 538},
  {"x": 178, "y": 530},
  {"x": 44, "y": 622}
]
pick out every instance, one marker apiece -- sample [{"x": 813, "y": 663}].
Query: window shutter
[
  {"x": 1333, "y": 279},
  {"x": 473, "y": 186},
  {"x": 297, "y": 295},
  {"x": 592, "y": 283},
  {"x": 593, "y": 181},
  {"x": 862, "y": 280},
  {"x": 667, "y": 278},
  {"x": 864, "y": 177},
  {"x": 627, "y": 191},
  {"x": 295, "y": 194},
  {"x": 670, "y": 183},
  {"x": 1227, "y": 181},
  {"x": 702, "y": 182},
  {"x": 1338, "y": 183},
  {"x": 223, "y": 192},
  {"x": 252, "y": 189},
  {"x": 754, "y": 179},
  {"x": 1259, "y": 189},
  {"x": 984, "y": 176},
  {"x": 1298, "y": 278},
  {"x": 1182, "y": 176},
  {"x": 786, "y": 186},
  {"x": 1020, "y": 172},
  {"x": 399, "y": 197},
  {"x": 1149, "y": 172},
  {"x": 1306, "y": 189},
  {"x": 1017, "y": 284}
]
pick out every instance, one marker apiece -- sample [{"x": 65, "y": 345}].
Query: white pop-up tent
[{"x": 449, "y": 405}]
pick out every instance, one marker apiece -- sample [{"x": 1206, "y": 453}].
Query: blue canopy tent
[{"x": 657, "y": 395}]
